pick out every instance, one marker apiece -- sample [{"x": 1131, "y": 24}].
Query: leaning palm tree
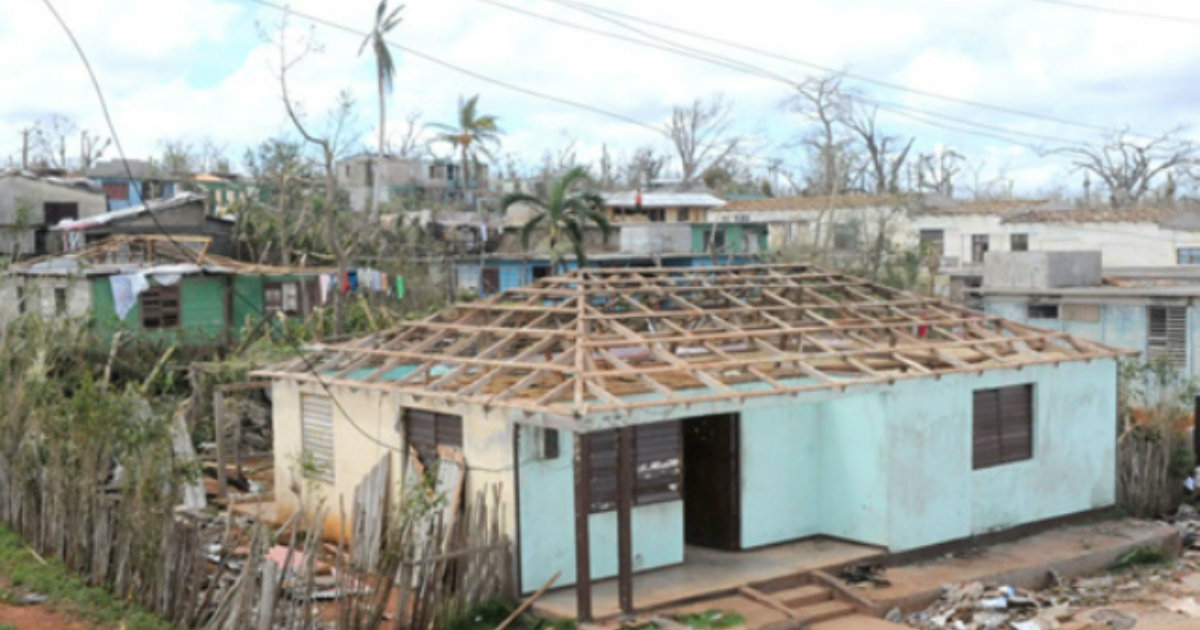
[
  {"x": 470, "y": 136},
  {"x": 564, "y": 213},
  {"x": 385, "y": 69}
]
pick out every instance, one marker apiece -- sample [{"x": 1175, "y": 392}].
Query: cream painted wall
[
  {"x": 487, "y": 448},
  {"x": 39, "y": 296}
]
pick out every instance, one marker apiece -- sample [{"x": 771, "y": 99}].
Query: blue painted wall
[
  {"x": 135, "y": 192},
  {"x": 1121, "y": 325},
  {"x": 893, "y": 467},
  {"x": 889, "y": 466},
  {"x": 547, "y": 515}
]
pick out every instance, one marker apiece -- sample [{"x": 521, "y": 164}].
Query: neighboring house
[
  {"x": 223, "y": 190},
  {"x": 142, "y": 182},
  {"x": 844, "y": 223},
  {"x": 501, "y": 272},
  {"x": 157, "y": 289},
  {"x": 660, "y": 206},
  {"x": 1149, "y": 236},
  {"x": 30, "y": 205},
  {"x": 961, "y": 233},
  {"x": 398, "y": 179},
  {"x": 183, "y": 215},
  {"x": 698, "y": 413},
  {"x": 1153, "y": 310}
]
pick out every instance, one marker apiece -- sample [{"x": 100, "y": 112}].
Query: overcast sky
[{"x": 199, "y": 69}]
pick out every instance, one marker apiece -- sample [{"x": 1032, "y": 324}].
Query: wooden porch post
[
  {"x": 583, "y": 502},
  {"x": 625, "y": 470}
]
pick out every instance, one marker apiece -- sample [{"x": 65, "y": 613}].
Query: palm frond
[
  {"x": 516, "y": 197},
  {"x": 528, "y": 229}
]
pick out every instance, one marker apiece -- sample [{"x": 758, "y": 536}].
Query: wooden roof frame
[{"x": 616, "y": 340}]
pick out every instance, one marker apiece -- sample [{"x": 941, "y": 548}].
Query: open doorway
[{"x": 711, "y": 497}]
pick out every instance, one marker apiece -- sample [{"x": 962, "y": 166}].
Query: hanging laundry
[
  {"x": 399, "y": 287},
  {"x": 125, "y": 291},
  {"x": 352, "y": 280},
  {"x": 323, "y": 281}
]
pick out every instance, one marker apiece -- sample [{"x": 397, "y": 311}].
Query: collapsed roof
[{"x": 604, "y": 340}]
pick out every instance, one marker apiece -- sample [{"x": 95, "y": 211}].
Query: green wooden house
[{"x": 167, "y": 290}]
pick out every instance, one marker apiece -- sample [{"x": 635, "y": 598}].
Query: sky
[{"x": 202, "y": 71}]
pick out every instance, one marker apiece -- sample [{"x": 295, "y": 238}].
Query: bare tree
[
  {"x": 411, "y": 141},
  {"x": 179, "y": 157},
  {"x": 936, "y": 171},
  {"x": 644, "y": 166},
  {"x": 1130, "y": 167},
  {"x": 332, "y": 143},
  {"x": 822, "y": 101},
  {"x": 91, "y": 148},
  {"x": 883, "y": 160},
  {"x": 702, "y": 135}
]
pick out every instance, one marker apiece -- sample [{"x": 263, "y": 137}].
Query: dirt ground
[{"x": 37, "y": 617}]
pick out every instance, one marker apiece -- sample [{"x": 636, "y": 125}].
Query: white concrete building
[{"x": 30, "y": 205}]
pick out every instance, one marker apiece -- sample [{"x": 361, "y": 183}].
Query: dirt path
[{"x": 37, "y": 617}]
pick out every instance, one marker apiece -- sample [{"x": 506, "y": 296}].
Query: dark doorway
[
  {"x": 711, "y": 498},
  {"x": 540, "y": 272},
  {"x": 489, "y": 281}
]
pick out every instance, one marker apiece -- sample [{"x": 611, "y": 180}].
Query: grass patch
[
  {"x": 1141, "y": 556},
  {"x": 487, "y": 614},
  {"x": 712, "y": 619},
  {"x": 66, "y": 591}
]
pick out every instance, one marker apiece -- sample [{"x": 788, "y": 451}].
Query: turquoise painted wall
[
  {"x": 1121, "y": 325},
  {"x": 780, "y": 453},
  {"x": 893, "y": 467},
  {"x": 547, "y": 516}
]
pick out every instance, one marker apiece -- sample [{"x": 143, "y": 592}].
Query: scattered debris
[
  {"x": 865, "y": 575},
  {"x": 30, "y": 599}
]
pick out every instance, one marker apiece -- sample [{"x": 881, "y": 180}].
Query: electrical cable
[
  {"x": 1125, "y": 12},
  {"x": 747, "y": 68},
  {"x": 159, "y": 226},
  {"x": 592, "y": 9}
]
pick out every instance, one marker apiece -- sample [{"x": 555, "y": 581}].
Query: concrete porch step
[
  {"x": 823, "y": 611},
  {"x": 805, "y": 595}
]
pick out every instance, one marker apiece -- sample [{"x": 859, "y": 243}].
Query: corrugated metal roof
[
  {"x": 1145, "y": 214},
  {"x": 811, "y": 203}
]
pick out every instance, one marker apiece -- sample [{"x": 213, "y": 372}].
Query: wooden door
[
  {"x": 712, "y": 500},
  {"x": 489, "y": 281}
]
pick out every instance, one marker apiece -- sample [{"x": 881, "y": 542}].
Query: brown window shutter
[
  {"x": 1002, "y": 425},
  {"x": 425, "y": 431},
  {"x": 659, "y": 457},
  {"x": 603, "y": 469}
]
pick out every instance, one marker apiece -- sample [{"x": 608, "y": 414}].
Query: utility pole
[{"x": 25, "y": 147}]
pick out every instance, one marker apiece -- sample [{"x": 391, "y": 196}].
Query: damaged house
[
  {"x": 686, "y": 419},
  {"x": 158, "y": 288}
]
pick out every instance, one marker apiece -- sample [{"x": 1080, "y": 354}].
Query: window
[
  {"x": 540, "y": 272},
  {"x": 489, "y": 281},
  {"x": 681, "y": 214},
  {"x": 160, "y": 307},
  {"x": 845, "y": 236},
  {"x": 116, "y": 191},
  {"x": 425, "y": 431},
  {"x": 549, "y": 443},
  {"x": 1080, "y": 312},
  {"x": 316, "y": 436},
  {"x": 979, "y": 247},
  {"x": 714, "y": 239},
  {"x": 1167, "y": 334},
  {"x": 1042, "y": 311},
  {"x": 281, "y": 297},
  {"x": 658, "y": 460},
  {"x": 1019, "y": 242},
  {"x": 1002, "y": 427},
  {"x": 655, "y": 215},
  {"x": 1188, "y": 255},
  {"x": 60, "y": 300},
  {"x": 53, "y": 213},
  {"x": 934, "y": 242}
]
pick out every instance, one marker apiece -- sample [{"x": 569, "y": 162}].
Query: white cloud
[{"x": 194, "y": 68}]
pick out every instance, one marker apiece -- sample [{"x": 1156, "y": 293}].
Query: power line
[
  {"x": 1125, "y": 12},
  {"x": 465, "y": 71},
  {"x": 591, "y": 8},
  {"x": 159, "y": 226},
  {"x": 739, "y": 66}
]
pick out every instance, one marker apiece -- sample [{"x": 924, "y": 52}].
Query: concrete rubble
[{"x": 1144, "y": 594}]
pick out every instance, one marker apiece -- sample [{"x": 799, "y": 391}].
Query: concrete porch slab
[
  {"x": 1071, "y": 551},
  {"x": 709, "y": 573}
]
